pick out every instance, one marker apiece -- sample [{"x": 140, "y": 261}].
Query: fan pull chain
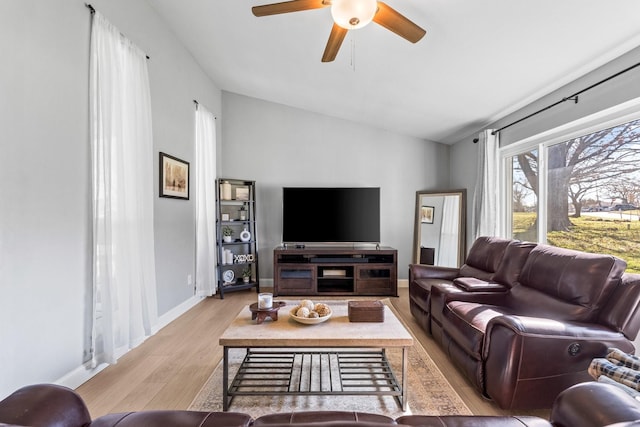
[{"x": 353, "y": 51}]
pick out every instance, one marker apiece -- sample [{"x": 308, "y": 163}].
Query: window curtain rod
[
  {"x": 197, "y": 103},
  {"x": 573, "y": 97},
  {"x": 93, "y": 10}
]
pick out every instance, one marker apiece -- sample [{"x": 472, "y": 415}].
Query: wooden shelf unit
[{"x": 335, "y": 271}]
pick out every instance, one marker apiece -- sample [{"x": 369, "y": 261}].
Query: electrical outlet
[{"x": 189, "y": 280}]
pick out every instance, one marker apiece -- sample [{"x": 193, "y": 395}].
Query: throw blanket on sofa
[{"x": 619, "y": 366}]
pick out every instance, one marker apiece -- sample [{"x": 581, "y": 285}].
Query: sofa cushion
[
  {"x": 305, "y": 417},
  {"x": 530, "y": 302},
  {"x": 309, "y": 423},
  {"x": 513, "y": 261},
  {"x": 580, "y": 279},
  {"x": 484, "y": 257},
  {"x": 473, "y": 421},
  {"x": 163, "y": 418}
]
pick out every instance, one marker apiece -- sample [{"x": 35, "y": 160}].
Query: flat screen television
[{"x": 330, "y": 215}]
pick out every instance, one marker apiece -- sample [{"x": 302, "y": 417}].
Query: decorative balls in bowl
[{"x": 309, "y": 313}]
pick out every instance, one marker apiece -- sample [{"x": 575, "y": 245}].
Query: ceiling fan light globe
[{"x": 353, "y": 14}]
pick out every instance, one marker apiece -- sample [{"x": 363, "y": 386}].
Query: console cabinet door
[
  {"x": 294, "y": 279},
  {"x": 376, "y": 280}
]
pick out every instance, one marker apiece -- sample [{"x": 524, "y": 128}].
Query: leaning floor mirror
[{"x": 440, "y": 224}]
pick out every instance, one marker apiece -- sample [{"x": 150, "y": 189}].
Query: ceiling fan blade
[
  {"x": 398, "y": 23},
  {"x": 333, "y": 44},
  {"x": 287, "y": 6}
]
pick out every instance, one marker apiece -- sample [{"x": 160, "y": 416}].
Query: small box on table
[{"x": 366, "y": 311}]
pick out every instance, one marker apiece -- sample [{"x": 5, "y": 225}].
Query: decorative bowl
[{"x": 308, "y": 320}]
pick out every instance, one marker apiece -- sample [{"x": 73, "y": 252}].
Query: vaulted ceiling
[{"x": 480, "y": 59}]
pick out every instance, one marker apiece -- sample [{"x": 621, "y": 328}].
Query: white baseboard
[
  {"x": 84, "y": 373},
  {"x": 80, "y": 375},
  {"x": 178, "y": 311}
]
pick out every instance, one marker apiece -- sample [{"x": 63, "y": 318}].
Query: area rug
[{"x": 429, "y": 393}]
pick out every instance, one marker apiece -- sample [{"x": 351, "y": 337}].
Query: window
[
  {"x": 524, "y": 199},
  {"x": 579, "y": 187}
]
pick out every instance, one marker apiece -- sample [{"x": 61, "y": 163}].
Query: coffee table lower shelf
[{"x": 343, "y": 371}]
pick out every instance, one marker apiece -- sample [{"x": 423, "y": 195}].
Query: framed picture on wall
[
  {"x": 174, "y": 177},
  {"x": 426, "y": 214}
]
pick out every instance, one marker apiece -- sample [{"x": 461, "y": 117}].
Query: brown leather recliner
[{"x": 524, "y": 336}]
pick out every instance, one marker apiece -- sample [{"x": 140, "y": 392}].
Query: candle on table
[{"x": 265, "y": 300}]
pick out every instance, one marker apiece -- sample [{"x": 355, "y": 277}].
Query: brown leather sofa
[
  {"x": 590, "y": 404},
  {"x": 522, "y": 320}
]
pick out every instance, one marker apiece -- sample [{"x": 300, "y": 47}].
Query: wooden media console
[{"x": 335, "y": 271}]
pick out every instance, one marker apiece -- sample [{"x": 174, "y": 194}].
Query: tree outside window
[{"x": 592, "y": 193}]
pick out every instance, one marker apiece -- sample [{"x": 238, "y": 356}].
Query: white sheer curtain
[
  {"x": 449, "y": 232},
  {"x": 486, "y": 210},
  {"x": 125, "y": 302},
  {"x": 205, "y": 202}
]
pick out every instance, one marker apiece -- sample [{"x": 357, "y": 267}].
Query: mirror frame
[{"x": 462, "y": 225}]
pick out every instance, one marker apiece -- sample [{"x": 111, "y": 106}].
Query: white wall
[
  {"x": 45, "y": 225},
  {"x": 44, "y": 190},
  {"x": 280, "y": 146},
  {"x": 616, "y": 91}
]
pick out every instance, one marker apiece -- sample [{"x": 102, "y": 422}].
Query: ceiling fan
[{"x": 348, "y": 15}]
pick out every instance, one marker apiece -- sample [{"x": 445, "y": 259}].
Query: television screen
[{"x": 330, "y": 215}]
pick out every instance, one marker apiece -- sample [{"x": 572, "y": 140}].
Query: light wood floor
[{"x": 168, "y": 370}]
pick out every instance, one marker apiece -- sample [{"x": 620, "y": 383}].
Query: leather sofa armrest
[
  {"x": 44, "y": 405},
  {"x": 539, "y": 326},
  {"x": 593, "y": 404},
  {"x": 441, "y": 295},
  {"x": 324, "y": 417},
  {"x": 447, "y": 294},
  {"x": 560, "y": 336},
  {"x": 423, "y": 271},
  {"x": 541, "y": 351}
]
